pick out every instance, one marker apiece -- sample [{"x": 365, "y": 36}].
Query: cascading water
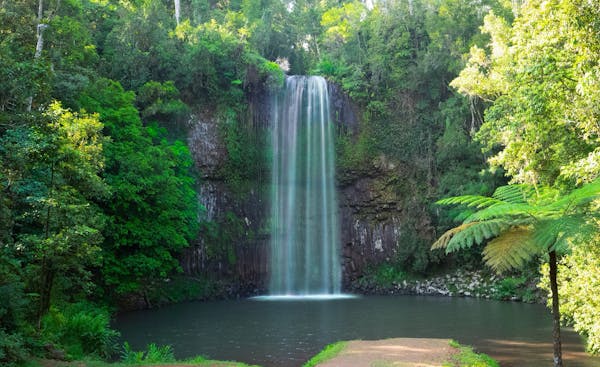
[{"x": 305, "y": 232}]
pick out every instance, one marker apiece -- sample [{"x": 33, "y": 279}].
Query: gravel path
[{"x": 398, "y": 352}]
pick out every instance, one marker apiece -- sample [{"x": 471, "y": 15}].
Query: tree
[
  {"x": 521, "y": 222},
  {"x": 21, "y": 75},
  {"x": 153, "y": 208},
  {"x": 50, "y": 176},
  {"x": 538, "y": 76}
]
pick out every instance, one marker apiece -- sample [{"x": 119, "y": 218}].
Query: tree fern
[
  {"x": 520, "y": 223},
  {"x": 551, "y": 220}
]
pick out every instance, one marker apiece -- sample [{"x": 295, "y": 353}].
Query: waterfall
[{"x": 305, "y": 231}]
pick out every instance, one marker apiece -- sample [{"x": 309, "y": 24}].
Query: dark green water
[{"x": 287, "y": 333}]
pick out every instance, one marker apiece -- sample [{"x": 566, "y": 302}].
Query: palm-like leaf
[
  {"x": 514, "y": 194},
  {"x": 444, "y": 239},
  {"x": 503, "y": 210},
  {"x": 510, "y": 250},
  {"x": 577, "y": 199},
  {"x": 470, "y": 233},
  {"x": 522, "y": 222},
  {"x": 471, "y": 201}
]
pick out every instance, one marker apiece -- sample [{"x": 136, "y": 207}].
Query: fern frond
[
  {"x": 442, "y": 242},
  {"x": 514, "y": 194},
  {"x": 504, "y": 210},
  {"x": 554, "y": 234},
  {"x": 512, "y": 249},
  {"x": 476, "y": 234},
  {"x": 577, "y": 199},
  {"x": 471, "y": 201},
  {"x": 468, "y": 234},
  {"x": 545, "y": 233}
]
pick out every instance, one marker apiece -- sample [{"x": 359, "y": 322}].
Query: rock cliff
[{"x": 377, "y": 223}]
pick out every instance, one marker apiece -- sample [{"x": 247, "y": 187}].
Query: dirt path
[{"x": 398, "y": 352}]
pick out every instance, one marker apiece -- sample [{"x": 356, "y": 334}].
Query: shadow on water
[{"x": 287, "y": 333}]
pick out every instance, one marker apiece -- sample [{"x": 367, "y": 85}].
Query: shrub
[
  {"x": 80, "y": 329},
  {"x": 153, "y": 354},
  {"x": 12, "y": 349},
  {"x": 520, "y": 287}
]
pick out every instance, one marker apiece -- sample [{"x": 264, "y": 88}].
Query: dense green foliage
[
  {"x": 152, "y": 210},
  {"x": 98, "y": 186},
  {"x": 539, "y": 77},
  {"x": 98, "y": 191},
  {"x": 396, "y": 61},
  {"x": 82, "y": 329}
]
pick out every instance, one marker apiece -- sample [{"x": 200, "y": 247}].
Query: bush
[
  {"x": 12, "y": 349},
  {"x": 385, "y": 275},
  {"x": 80, "y": 329},
  {"x": 153, "y": 354},
  {"x": 517, "y": 287}
]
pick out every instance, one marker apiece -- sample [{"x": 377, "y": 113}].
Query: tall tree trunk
[
  {"x": 39, "y": 46},
  {"x": 177, "y": 10},
  {"x": 46, "y": 268},
  {"x": 46, "y": 284},
  {"x": 555, "y": 311}
]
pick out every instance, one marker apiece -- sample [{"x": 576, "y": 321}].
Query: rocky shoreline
[{"x": 461, "y": 283}]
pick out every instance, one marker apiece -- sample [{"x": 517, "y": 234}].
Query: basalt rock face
[
  {"x": 378, "y": 222},
  {"x": 344, "y": 113},
  {"x": 232, "y": 243},
  {"x": 370, "y": 224}
]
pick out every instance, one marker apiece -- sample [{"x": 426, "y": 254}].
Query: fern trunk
[{"x": 555, "y": 311}]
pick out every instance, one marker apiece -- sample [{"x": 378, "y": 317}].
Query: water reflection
[{"x": 287, "y": 333}]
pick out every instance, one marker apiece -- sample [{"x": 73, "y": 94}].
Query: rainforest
[{"x": 185, "y": 182}]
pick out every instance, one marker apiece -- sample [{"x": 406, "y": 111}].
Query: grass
[
  {"x": 153, "y": 355},
  {"x": 466, "y": 357},
  {"x": 326, "y": 354},
  {"x": 162, "y": 356},
  {"x": 192, "y": 362}
]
